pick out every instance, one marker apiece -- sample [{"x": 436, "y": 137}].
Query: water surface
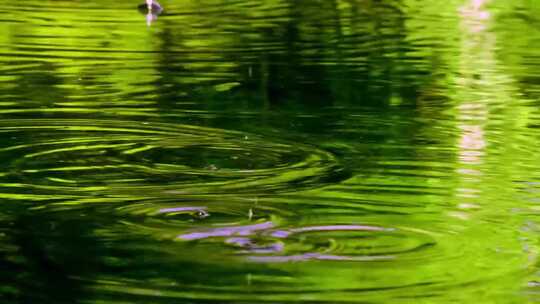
[{"x": 270, "y": 151}]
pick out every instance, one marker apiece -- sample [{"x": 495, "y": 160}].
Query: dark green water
[{"x": 270, "y": 151}]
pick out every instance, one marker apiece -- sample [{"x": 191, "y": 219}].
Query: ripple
[
  {"x": 200, "y": 218},
  {"x": 265, "y": 242},
  {"x": 128, "y": 158},
  {"x": 268, "y": 232}
]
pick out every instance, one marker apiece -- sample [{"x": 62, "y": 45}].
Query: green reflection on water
[{"x": 269, "y": 151}]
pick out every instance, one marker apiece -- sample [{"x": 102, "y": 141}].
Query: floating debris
[{"x": 152, "y": 9}]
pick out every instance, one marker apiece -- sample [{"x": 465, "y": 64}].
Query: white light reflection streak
[{"x": 477, "y": 61}]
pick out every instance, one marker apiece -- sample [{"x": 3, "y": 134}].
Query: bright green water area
[{"x": 270, "y": 151}]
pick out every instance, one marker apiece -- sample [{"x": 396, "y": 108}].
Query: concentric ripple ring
[{"x": 119, "y": 158}]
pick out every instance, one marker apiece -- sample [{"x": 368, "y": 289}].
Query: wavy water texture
[
  {"x": 270, "y": 151},
  {"x": 115, "y": 158}
]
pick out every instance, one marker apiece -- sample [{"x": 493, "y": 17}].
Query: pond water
[{"x": 270, "y": 151}]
